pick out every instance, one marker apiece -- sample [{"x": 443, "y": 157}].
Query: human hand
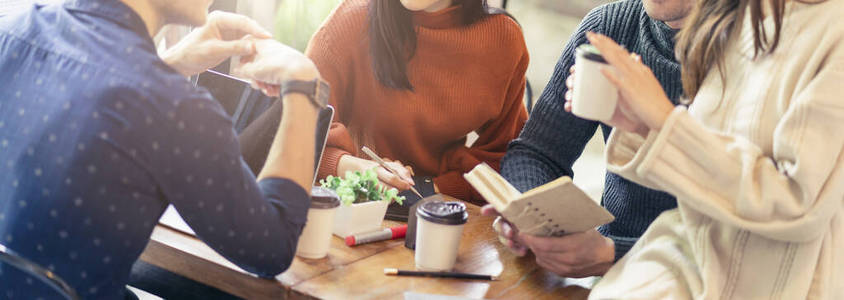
[
  {"x": 222, "y": 36},
  {"x": 273, "y": 63},
  {"x": 507, "y": 233},
  {"x": 641, "y": 98},
  {"x": 621, "y": 118},
  {"x": 574, "y": 255},
  {"x": 387, "y": 178}
]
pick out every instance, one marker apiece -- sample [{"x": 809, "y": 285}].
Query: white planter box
[{"x": 359, "y": 218}]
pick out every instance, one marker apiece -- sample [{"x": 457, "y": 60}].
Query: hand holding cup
[{"x": 642, "y": 103}]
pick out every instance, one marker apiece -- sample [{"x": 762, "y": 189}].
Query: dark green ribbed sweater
[{"x": 553, "y": 139}]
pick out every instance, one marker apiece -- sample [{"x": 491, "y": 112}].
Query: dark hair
[{"x": 392, "y": 37}]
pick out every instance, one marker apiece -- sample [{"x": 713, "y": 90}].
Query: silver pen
[{"x": 383, "y": 164}]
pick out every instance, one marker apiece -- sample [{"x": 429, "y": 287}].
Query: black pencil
[{"x": 397, "y": 272}]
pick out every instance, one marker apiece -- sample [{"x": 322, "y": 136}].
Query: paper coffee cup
[
  {"x": 410, "y": 237},
  {"x": 439, "y": 228},
  {"x": 316, "y": 236},
  {"x": 595, "y": 97}
]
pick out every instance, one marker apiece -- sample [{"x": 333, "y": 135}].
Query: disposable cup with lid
[
  {"x": 316, "y": 236},
  {"x": 439, "y": 229}
]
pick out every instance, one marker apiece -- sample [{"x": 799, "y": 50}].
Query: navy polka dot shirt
[{"x": 98, "y": 136}]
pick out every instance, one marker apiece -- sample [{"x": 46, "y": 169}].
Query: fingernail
[{"x": 590, "y": 35}]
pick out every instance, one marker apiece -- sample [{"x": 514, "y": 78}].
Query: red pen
[{"x": 377, "y": 236}]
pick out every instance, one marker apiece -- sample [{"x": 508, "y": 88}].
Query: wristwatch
[{"x": 316, "y": 90}]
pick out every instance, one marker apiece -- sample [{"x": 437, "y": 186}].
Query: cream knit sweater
[{"x": 758, "y": 173}]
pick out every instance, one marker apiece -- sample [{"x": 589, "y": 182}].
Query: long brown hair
[
  {"x": 703, "y": 40},
  {"x": 392, "y": 37}
]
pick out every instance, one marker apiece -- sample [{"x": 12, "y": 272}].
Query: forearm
[
  {"x": 292, "y": 216},
  {"x": 550, "y": 143},
  {"x": 253, "y": 224},
  {"x": 552, "y": 139},
  {"x": 769, "y": 196},
  {"x": 525, "y": 168}
]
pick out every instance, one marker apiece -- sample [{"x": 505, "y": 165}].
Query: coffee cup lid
[
  {"x": 324, "y": 198},
  {"x": 449, "y": 213},
  {"x": 591, "y": 53}
]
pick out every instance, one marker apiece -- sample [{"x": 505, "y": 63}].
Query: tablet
[{"x": 246, "y": 105}]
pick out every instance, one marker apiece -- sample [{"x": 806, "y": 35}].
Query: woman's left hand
[{"x": 639, "y": 90}]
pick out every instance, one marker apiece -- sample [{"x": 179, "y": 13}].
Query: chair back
[{"x": 10, "y": 258}]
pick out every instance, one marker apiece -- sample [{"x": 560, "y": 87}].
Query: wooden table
[{"x": 358, "y": 272}]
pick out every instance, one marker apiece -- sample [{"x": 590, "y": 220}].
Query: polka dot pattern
[{"x": 96, "y": 143}]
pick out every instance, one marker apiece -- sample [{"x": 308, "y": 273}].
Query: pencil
[
  {"x": 384, "y": 164},
  {"x": 397, "y": 272}
]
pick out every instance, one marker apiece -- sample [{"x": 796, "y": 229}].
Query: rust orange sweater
[{"x": 465, "y": 78}]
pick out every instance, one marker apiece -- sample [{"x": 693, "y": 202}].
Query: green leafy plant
[{"x": 359, "y": 187}]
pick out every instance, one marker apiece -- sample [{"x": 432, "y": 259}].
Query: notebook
[
  {"x": 244, "y": 104},
  {"x": 554, "y": 209}
]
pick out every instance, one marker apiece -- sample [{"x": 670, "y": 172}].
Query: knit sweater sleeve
[
  {"x": 790, "y": 194},
  {"x": 552, "y": 139},
  {"x": 493, "y": 137},
  {"x": 327, "y": 50}
]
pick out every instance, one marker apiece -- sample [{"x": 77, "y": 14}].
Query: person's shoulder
[
  {"x": 147, "y": 76},
  {"x": 348, "y": 21},
  {"x": 614, "y": 16},
  {"x": 507, "y": 29},
  {"x": 621, "y": 6},
  {"x": 353, "y": 7},
  {"x": 503, "y": 22},
  {"x": 31, "y": 23},
  {"x": 820, "y": 13},
  {"x": 809, "y": 22}
]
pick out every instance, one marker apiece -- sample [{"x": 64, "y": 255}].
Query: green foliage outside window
[{"x": 297, "y": 20}]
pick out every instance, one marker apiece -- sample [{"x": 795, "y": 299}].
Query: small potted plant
[{"x": 363, "y": 202}]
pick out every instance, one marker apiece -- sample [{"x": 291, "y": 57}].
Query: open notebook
[{"x": 553, "y": 209}]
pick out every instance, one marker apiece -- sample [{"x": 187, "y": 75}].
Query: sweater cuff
[
  {"x": 625, "y": 150},
  {"x": 291, "y": 199},
  {"x": 622, "y": 245},
  {"x": 677, "y": 142},
  {"x": 453, "y": 184},
  {"x": 330, "y": 159},
  {"x": 625, "y": 153}
]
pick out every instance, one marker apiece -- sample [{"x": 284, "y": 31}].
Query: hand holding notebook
[{"x": 553, "y": 209}]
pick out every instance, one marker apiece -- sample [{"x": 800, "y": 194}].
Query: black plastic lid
[
  {"x": 591, "y": 53},
  {"x": 448, "y": 213},
  {"x": 324, "y": 198}
]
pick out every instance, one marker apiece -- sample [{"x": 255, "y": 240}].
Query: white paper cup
[
  {"x": 316, "y": 236},
  {"x": 595, "y": 97},
  {"x": 439, "y": 228}
]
